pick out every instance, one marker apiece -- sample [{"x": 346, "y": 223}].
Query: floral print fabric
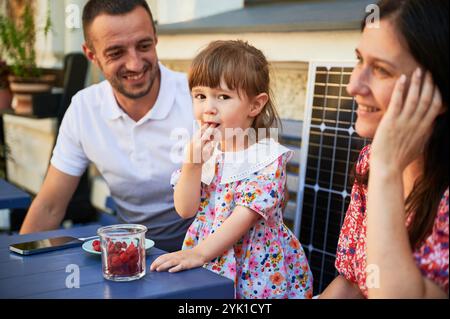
[
  {"x": 268, "y": 262},
  {"x": 432, "y": 257}
]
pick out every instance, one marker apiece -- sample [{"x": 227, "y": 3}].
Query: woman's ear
[{"x": 258, "y": 103}]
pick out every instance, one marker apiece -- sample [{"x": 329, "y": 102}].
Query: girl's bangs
[{"x": 211, "y": 70}]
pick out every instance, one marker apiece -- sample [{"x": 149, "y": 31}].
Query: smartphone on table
[{"x": 45, "y": 245}]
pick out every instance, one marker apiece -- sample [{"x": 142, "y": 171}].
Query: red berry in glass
[{"x": 124, "y": 260}]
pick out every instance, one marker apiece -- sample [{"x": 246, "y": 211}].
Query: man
[{"x": 122, "y": 125}]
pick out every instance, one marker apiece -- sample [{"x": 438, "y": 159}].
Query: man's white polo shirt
[{"x": 133, "y": 157}]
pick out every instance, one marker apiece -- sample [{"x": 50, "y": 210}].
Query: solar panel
[{"x": 330, "y": 147}]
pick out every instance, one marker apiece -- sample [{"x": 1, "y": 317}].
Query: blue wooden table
[
  {"x": 44, "y": 275},
  {"x": 11, "y": 197}
]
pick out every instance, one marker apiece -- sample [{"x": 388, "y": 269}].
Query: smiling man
[{"x": 123, "y": 125}]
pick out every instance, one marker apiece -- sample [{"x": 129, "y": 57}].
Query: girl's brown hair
[{"x": 243, "y": 68}]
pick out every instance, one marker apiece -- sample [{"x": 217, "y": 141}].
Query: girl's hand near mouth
[{"x": 201, "y": 147}]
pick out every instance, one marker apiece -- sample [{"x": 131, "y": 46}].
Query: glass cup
[{"x": 123, "y": 252}]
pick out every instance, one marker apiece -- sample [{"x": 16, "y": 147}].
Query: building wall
[
  {"x": 66, "y": 35},
  {"x": 289, "y": 54},
  {"x": 173, "y": 11},
  {"x": 280, "y": 47},
  {"x": 289, "y": 81}
]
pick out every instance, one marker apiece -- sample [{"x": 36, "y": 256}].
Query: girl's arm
[
  {"x": 400, "y": 139},
  {"x": 188, "y": 189},
  {"x": 341, "y": 288},
  {"x": 231, "y": 231}
]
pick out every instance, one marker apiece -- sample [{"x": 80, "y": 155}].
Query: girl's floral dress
[
  {"x": 268, "y": 262},
  {"x": 431, "y": 257}
]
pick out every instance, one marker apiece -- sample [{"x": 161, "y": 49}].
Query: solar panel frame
[{"x": 321, "y": 189}]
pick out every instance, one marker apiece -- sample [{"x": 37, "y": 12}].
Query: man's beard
[{"x": 117, "y": 84}]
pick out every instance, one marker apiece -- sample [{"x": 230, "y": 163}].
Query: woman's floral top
[
  {"x": 431, "y": 257},
  {"x": 268, "y": 262}
]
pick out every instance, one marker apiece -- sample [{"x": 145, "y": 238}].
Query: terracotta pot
[
  {"x": 5, "y": 98},
  {"x": 41, "y": 84},
  {"x": 24, "y": 88}
]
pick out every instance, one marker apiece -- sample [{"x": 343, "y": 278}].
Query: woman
[{"x": 394, "y": 240}]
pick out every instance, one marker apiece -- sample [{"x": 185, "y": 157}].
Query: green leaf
[{"x": 17, "y": 40}]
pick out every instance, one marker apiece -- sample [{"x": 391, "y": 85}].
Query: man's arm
[{"x": 49, "y": 207}]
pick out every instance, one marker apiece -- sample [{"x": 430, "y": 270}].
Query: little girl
[{"x": 236, "y": 190}]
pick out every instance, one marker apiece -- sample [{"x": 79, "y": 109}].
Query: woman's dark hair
[
  {"x": 424, "y": 25},
  {"x": 94, "y": 8}
]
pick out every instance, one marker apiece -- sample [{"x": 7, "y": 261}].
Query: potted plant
[{"x": 17, "y": 38}]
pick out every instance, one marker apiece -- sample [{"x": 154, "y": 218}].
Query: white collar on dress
[{"x": 240, "y": 165}]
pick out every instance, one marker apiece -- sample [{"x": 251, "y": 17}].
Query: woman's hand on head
[
  {"x": 178, "y": 261},
  {"x": 408, "y": 123}
]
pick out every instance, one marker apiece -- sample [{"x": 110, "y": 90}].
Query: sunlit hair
[{"x": 243, "y": 68}]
